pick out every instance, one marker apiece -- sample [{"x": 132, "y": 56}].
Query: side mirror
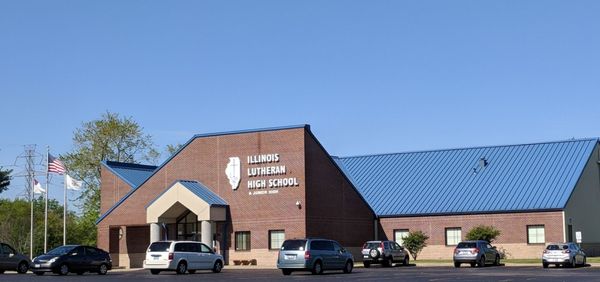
[
  {"x": 494, "y": 247},
  {"x": 213, "y": 250},
  {"x": 73, "y": 254},
  {"x": 11, "y": 255}
]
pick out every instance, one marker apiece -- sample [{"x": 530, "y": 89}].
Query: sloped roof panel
[
  {"x": 538, "y": 176},
  {"x": 132, "y": 174}
]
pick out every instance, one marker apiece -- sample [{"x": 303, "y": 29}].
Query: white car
[
  {"x": 182, "y": 257},
  {"x": 565, "y": 254}
]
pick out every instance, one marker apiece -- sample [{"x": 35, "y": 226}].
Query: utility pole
[{"x": 30, "y": 156}]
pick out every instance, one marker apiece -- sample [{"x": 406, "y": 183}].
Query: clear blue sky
[{"x": 369, "y": 76}]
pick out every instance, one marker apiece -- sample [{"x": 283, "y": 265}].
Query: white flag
[
  {"x": 37, "y": 187},
  {"x": 73, "y": 183}
]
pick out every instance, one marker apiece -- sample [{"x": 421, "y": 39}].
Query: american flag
[{"x": 55, "y": 165}]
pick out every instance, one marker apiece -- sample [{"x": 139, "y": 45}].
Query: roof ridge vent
[{"x": 483, "y": 162}]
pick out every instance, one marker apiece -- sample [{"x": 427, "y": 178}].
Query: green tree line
[{"x": 15, "y": 223}]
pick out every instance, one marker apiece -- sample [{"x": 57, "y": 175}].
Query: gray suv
[
  {"x": 384, "y": 252},
  {"x": 475, "y": 253},
  {"x": 315, "y": 255},
  {"x": 12, "y": 260}
]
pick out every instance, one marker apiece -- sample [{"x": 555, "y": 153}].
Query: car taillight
[
  {"x": 170, "y": 256},
  {"x": 475, "y": 250},
  {"x": 365, "y": 246},
  {"x": 456, "y": 251},
  {"x": 307, "y": 255},
  {"x": 381, "y": 246},
  {"x": 545, "y": 251},
  {"x": 566, "y": 251}
]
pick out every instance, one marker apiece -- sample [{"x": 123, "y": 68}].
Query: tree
[
  {"x": 483, "y": 232},
  {"x": 171, "y": 149},
  {"x": 112, "y": 138},
  {"x": 4, "y": 179},
  {"x": 415, "y": 242}
]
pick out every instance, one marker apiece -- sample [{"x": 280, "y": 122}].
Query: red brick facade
[
  {"x": 513, "y": 228},
  {"x": 326, "y": 198}
]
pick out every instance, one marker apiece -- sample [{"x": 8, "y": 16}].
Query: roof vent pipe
[{"x": 483, "y": 162}]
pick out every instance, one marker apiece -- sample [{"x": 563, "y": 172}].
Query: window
[
  {"x": 276, "y": 238},
  {"x": 187, "y": 227},
  {"x": 242, "y": 241},
  {"x": 399, "y": 236},
  {"x": 536, "y": 234},
  {"x": 204, "y": 248},
  {"x": 321, "y": 245},
  {"x": 7, "y": 250},
  {"x": 453, "y": 236}
]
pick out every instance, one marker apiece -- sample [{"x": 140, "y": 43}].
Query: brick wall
[
  {"x": 334, "y": 209},
  {"x": 113, "y": 188},
  {"x": 513, "y": 228},
  {"x": 204, "y": 160}
]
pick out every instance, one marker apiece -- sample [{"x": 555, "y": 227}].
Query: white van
[{"x": 182, "y": 257}]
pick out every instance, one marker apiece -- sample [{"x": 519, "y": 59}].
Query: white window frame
[
  {"x": 399, "y": 235},
  {"x": 274, "y": 241},
  {"x": 536, "y": 234},
  {"x": 453, "y": 236}
]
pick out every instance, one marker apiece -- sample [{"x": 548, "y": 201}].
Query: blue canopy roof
[
  {"x": 473, "y": 180},
  {"x": 132, "y": 174}
]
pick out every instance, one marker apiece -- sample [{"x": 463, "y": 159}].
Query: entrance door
[
  {"x": 187, "y": 227},
  {"x": 570, "y": 233}
]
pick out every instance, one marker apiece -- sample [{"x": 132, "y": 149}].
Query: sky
[{"x": 368, "y": 76}]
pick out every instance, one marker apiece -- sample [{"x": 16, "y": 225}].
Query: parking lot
[{"x": 413, "y": 273}]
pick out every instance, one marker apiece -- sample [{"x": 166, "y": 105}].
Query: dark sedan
[
  {"x": 74, "y": 259},
  {"x": 12, "y": 260}
]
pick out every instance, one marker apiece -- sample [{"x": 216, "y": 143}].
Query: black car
[
  {"x": 12, "y": 260},
  {"x": 72, "y": 258}
]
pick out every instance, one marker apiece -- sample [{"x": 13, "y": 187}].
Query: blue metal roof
[
  {"x": 132, "y": 174},
  {"x": 199, "y": 190},
  {"x": 516, "y": 178}
]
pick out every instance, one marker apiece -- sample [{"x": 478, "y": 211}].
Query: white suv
[{"x": 182, "y": 257}]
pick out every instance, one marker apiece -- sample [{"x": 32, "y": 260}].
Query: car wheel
[
  {"x": 456, "y": 264},
  {"x": 286, "y": 271},
  {"x": 154, "y": 271},
  {"x": 473, "y": 264},
  {"x": 217, "y": 267},
  {"x": 23, "y": 267},
  {"x": 481, "y": 262},
  {"x": 366, "y": 264},
  {"x": 544, "y": 265},
  {"x": 181, "y": 268},
  {"x": 63, "y": 269},
  {"x": 406, "y": 261},
  {"x": 497, "y": 260},
  {"x": 388, "y": 262},
  {"x": 317, "y": 268},
  {"x": 38, "y": 273},
  {"x": 571, "y": 263},
  {"x": 103, "y": 269},
  {"x": 348, "y": 267},
  {"x": 584, "y": 261}
]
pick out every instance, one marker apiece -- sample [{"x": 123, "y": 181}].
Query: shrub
[
  {"x": 482, "y": 232},
  {"x": 415, "y": 242}
]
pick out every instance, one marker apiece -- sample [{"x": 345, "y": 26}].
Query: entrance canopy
[{"x": 185, "y": 195}]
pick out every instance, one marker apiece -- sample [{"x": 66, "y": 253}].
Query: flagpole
[
  {"x": 46, "y": 203},
  {"x": 65, "y": 213}
]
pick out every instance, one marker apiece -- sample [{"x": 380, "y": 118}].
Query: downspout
[{"x": 376, "y": 228}]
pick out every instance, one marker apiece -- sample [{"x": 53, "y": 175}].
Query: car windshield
[
  {"x": 466, "y": 245},
  {"x": 61, "y": 250},
  {"x": 372, "y": 245},
  {"x": 160, "y": 246},
  {"x": 557, "y": 247},
  {"x": 293, "y": 245}
]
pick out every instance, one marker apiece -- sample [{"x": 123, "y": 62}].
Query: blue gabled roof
[
  {"x": 132, "y": 174},
  {"x": 135, "y": 188},
  {"x": 516, "y": 178},
  {"x": 199, "y": 190}
]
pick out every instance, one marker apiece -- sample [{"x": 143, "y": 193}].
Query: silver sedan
[{"x": 565, "y": 254}]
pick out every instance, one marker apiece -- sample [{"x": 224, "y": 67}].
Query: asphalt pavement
[{"x": 411, "y": 273}]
